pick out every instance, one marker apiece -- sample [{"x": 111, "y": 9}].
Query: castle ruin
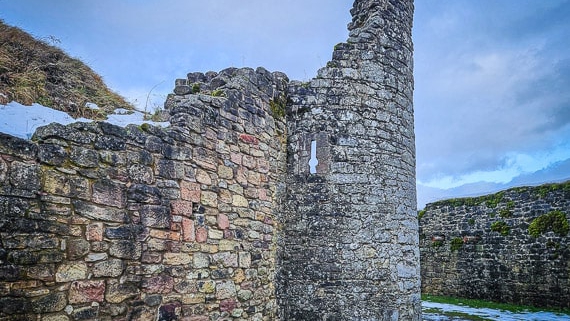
[{"x": 266, "y": 199}]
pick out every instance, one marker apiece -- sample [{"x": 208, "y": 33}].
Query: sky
[{"x": 492, "y": 77}]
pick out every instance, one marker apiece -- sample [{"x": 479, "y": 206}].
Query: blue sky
[{"x": 492, "y": 77}]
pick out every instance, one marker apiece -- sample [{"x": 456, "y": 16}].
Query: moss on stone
[
  {"x": 278, "y": 106},
  {"x": 501, "y": 227},
  {"x": 554, "y": 221},
  {"x": 456, "y": 244}
]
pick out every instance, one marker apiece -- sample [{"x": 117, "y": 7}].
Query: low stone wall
[
  {"x": 512, "y": 246},
  {"x": 143, "y": 223}
]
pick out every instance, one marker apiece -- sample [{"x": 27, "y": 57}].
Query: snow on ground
[
  {"x": 488, "y": 314},
  {"x": 21, "y": 121}
]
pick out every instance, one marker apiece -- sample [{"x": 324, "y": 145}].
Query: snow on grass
[
  {"x": 22, "y": 121},
  {"x": 485, "y": 313}
]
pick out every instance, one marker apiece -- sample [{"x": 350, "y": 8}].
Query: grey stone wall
[
  {"x": 349, "y": 245},
  {"x": 99, "y": 222},
  {"x": 482, "y": 247},
  {"x": 265, "y": 199}
]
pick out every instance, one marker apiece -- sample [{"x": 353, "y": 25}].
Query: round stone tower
[{"x": 348, "y": 246}]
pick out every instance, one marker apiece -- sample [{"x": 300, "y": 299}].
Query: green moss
[
  {"x": 489, "y": 200},
  {"x": 510, "y": 205},
  {"x": 505, "y": 213},
  {"x": 437, "y": 243},
  {"x": 456, "y": 244},
  {"x": 494, "y": 199},
  {"x": 554, "y": 221},
  {"x": 218, "y": 93},
  {"x": 195, "y": 88},
  {"x": 471, "y": 221},
  {"x": 501, "y": 227},
  {"x": 421, "y": 214},
  {"x": 278, "y": 106}
]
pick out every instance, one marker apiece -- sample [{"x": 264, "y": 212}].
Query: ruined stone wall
[
  {"x": 482, "y": 247},
  {"x": 264, "y": 200},
  {"x": 99, "y": 222},
  {"x": 349, "y": 244}
]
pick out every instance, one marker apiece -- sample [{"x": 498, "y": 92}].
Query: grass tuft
[{"x": 33, "y": 71}]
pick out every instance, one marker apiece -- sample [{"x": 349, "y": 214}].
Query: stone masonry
[
  {"x": 349, "y": 245},
  {"x": 484, "y": 247},
  {"x": 264, "y": 200}
]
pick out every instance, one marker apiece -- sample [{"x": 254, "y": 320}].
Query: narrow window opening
[{"x": 313, "y": 162}]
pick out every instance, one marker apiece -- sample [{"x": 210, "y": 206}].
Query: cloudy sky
[{"x": 492, "y": 94}]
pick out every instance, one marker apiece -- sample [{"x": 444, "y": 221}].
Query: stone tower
[{"x": 348, "y": 248}]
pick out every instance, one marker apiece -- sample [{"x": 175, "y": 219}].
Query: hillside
[{"x": 33, "y": 71}]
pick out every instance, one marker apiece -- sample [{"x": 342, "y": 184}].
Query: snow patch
[{"x": 22, "y": 121}]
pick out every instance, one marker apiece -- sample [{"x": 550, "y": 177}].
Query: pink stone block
[
  {"x": 87, "y": 291},
  {"x": 201, "y": 235},
  {"x": 190, "y": 191},
  {"x": 236, "y": 158},
  {"x": 223, "y": 221},
  {"x": 249, "y": 139},
  {"x": 188, "y": 230},
  {"x": 94, "y": 232},
  {"x": 228, "y": 305},
  {"x": 159, "y": 284},
  {"x": 182, "y": 208}
]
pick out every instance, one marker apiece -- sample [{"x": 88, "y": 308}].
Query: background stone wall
[
  {"x": 482, "y": 247},
  {"x": 143, "y": 223},
  {"x": 349, "y": 245}
]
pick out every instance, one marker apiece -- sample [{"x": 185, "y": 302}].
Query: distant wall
[
  {"x": 143, "y": 223},
  {"x": 482, "y": 247}
]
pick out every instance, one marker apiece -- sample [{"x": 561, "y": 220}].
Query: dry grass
[{"x": 32, "y": 71}]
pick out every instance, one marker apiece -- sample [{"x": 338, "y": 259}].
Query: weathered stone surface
[
  {"x": 488, "y": 251},
  {"x": 111, "y": 268},
  {"x": 158, "y": 284},
  {"x": 77, "y": 248},
  {"x": 97, "y": 212},
  {"x": 131, "y": 250},
  {"x": 71, "y": 271},
  {"x": 118, "y": 292},
  {"x": 194, "y": 221},
  {"x": 52, "y": 302},
  {"x": 87, "y": 291},
  {"x": 155, "y": 216}
]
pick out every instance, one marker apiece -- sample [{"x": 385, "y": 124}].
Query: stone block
[
  {"x": 225, "y": 290},
  {"x": 71, "y": 271},
  {"x": 190, "y": 191},
  {"x": 239, "y": 201},
  {"x": 94, "y": 232},
  {"x": 155, "y": 216},
  {"x": 53, "y": 302},
  {"x": 176, "y": 259},
  {"x": 158, "y": 284},
  {"x": 111, "y": 268},
  {"x": 117, "y": 292},
  {"x": 84, "y": 157},
  {"x": 87, "y": 291},
  {"x": 77, "y": 248},
  {"x": 223, "y": 221},
  {"x": 209, "y": 199},
  {"x": 225, "y": 172},
  {"x": 99, "y": 212},
  {"x": 182, "y": 208},
  {"x": 125, "y": 249},
  {"x": 203, "y": 177},
  {"x": 200, "y": 260},
  {"x": 188, "y": 230},
  {"x": 108, "y": 192}
]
